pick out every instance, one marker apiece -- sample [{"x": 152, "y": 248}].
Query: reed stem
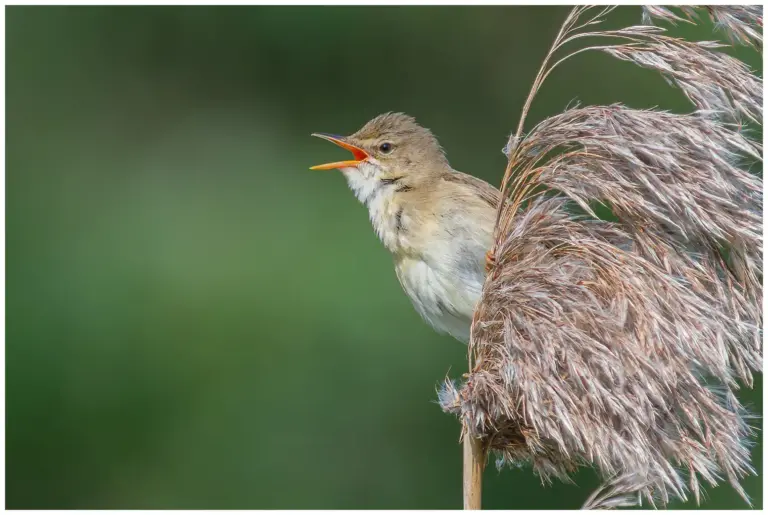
[{"x": 474, "y": 463}]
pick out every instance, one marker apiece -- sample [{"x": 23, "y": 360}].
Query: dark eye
[{"x": 386, "y": 147}]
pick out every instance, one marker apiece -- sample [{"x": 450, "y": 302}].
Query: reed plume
[{"x": 619, "y": 343}]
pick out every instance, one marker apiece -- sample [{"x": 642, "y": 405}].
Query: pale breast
[
  {"x": 438, "y": 235},
  {"x": 443, "y": 299}
]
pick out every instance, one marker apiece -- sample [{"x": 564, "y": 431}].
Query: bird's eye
[{"x": 386, "y": 147}]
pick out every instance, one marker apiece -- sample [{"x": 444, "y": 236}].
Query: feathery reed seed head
[{"x": 619, "y": 344}]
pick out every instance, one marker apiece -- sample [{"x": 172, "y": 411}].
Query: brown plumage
[{"x": 437, "y": 222}]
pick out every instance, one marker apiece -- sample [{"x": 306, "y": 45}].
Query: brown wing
[{"x": 485, "y": 191}]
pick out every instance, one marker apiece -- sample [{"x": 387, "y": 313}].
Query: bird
[
  {"x": 436, "y": 222},
  {"x": 616, "y": 340}
]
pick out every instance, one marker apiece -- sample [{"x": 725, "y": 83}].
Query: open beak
[{"x": 359, "y": 154}]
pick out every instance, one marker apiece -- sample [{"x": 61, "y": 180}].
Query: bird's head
[{"x": 391, "y": 148}]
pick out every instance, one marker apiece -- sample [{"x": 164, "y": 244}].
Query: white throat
[
  {"x": 377, "y": 196},
  {"x": 363, "y": 181}
]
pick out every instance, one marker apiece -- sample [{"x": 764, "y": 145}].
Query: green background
[{"x": 194, "y": 319}]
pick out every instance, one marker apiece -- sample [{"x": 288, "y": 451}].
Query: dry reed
[{"x": 620, "y": 344}]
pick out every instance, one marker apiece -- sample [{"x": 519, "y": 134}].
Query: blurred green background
[{"x": 194, "y": 319}]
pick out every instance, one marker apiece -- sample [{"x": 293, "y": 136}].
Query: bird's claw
[{"x": 490, "y": 261}]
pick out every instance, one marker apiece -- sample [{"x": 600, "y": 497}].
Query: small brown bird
[
  {"x": 613, "y": 342},
  {"x": 436, "y": 222}
]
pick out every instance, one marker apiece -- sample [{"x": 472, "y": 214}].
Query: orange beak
[{"x": 359, "y": 154}]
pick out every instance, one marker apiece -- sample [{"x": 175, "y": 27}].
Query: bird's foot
[{"x": 490, "y": 261}]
